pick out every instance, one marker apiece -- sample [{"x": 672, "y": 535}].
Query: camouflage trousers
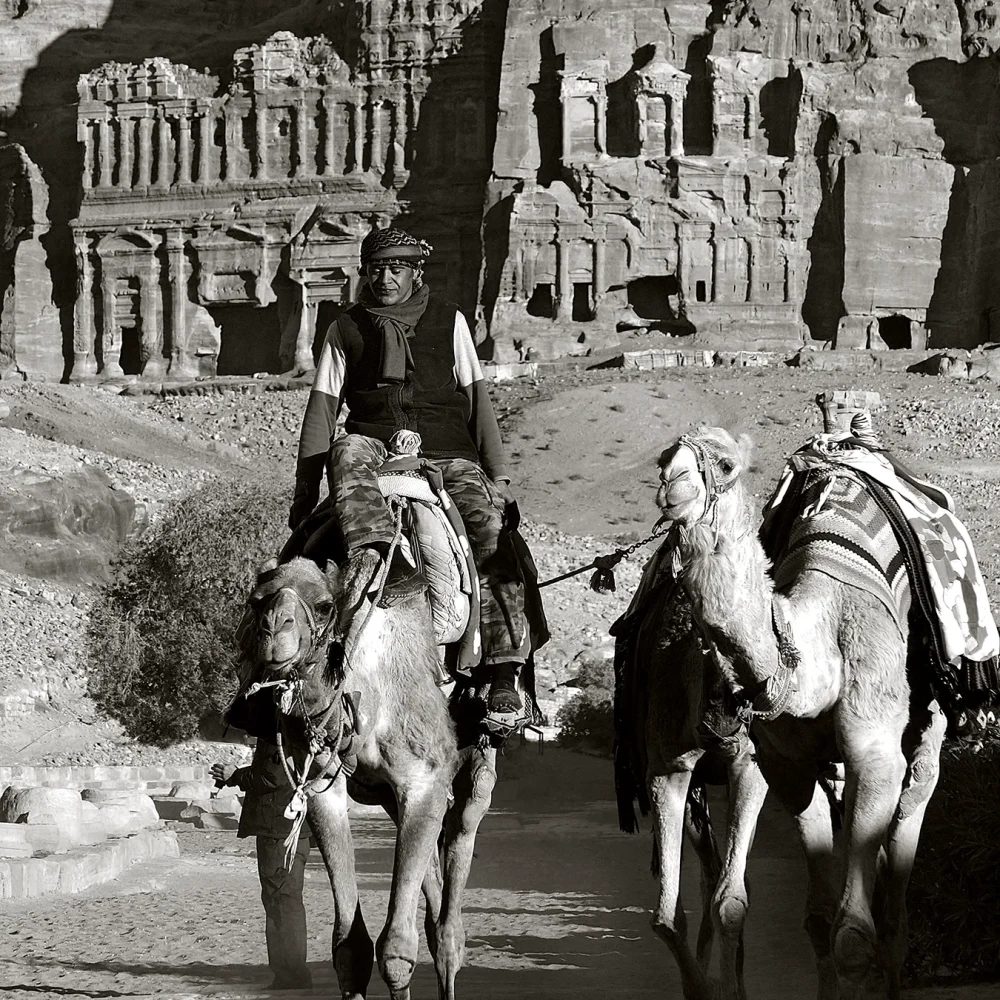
[{"x": 363, "y": 518}]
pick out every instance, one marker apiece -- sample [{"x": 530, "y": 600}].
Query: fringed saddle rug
[{"x": 861, "y": 517}]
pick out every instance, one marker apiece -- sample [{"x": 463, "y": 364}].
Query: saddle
[{"x": 435, "y": 543}]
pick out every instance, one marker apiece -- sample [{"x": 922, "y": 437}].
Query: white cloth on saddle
[{"x": 957, "y": 588}]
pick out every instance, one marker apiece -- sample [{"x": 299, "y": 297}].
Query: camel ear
[
  {"x": 744, "y": 445},
  {"x": 267, "y": 565}
]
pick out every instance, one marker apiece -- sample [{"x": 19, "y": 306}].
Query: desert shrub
[
  {"x": 160, "y": 638},
  {"x": 952, "y": 899},
  {"x": 587, "y": 719}
]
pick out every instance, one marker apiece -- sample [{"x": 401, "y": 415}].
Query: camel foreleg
[
  {"x": 668, "y": 797},
  {"x": 353, "y": 952},
  {"x": 421, "y": 813},
  {"x": 923, "y": 769},
  {"x": 875, "y": 767},
  {"x": 797, "y": 787},
  {"x": 473, "y": 789},
  {"x": 698, "y": 826},
  {"x": 747, "y": 791}
]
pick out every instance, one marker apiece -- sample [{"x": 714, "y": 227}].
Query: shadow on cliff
[
  {"x": 962, "y": 101},
  {"x": 200, "y": 34},
  {"x": 450, "y": 157},
  {"x": 823, "y": 304}
]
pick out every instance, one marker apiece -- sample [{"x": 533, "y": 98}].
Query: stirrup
[{"x": 505, "y": 724}]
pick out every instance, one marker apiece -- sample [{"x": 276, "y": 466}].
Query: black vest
[{"x": 429, "y": 402}]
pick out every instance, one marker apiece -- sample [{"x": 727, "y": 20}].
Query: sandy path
[{"x": 558, "y": 907}]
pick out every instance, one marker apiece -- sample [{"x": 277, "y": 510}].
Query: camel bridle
[
  {"x": 705, "y": 460},
  {"x": 770, "y": 698}
]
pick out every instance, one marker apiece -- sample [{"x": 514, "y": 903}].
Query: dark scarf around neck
[{"x": 396, "y": 324}]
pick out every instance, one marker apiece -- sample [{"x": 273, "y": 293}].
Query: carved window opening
[
  {"x": 700, "y": 291},
  {"x": 895, "y": 332},
  {"x": 541, "y": 303},
  {"x": 650, "y": 297},
  {"x": 583, "y": 311},
  {"x": 250, "y": 339}
]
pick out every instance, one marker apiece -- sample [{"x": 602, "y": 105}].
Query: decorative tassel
[{"x": 603, "y": 580}]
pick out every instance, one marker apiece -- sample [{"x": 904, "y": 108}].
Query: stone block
[
  {"x": 139, "y": 805},
  {"x": 216, "y": 822},
  {"x": 192, "y": 790},
  {"x": 14, "y": 841},
  {"x": 169, "y": 808},
  {"x": 60, "y": 806}
]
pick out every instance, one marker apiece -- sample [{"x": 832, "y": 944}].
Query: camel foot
[
  {"x": 397, "y": 973},
  {"x": 854, "y": 952}
]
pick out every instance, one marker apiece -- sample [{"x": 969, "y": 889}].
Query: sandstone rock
[
  {"x": 64, "y": 529},
  {"x": 58, "y": 806},
  {"x": 191, "y": 790},
  {"x": 4, "y": 410},
  {"x": 121, "y": 809}
]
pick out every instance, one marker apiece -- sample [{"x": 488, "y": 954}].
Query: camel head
[
  {"x": 697, "y": 474},
  {"x": 293, "y": 607}
]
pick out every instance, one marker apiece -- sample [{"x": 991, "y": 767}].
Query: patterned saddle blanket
[{"x": 860, "y": 517}]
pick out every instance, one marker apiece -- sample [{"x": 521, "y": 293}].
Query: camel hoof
[{"x": 854, "y": 952}]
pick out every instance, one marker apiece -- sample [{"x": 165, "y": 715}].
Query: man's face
[{"x": 390, "y": 283}]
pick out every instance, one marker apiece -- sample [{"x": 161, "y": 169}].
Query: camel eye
[
  {"x": 324, "y": 607},
  {"x": 727, "y": 465}
]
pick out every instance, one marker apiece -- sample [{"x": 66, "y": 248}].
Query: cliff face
[
  {"x": 830, "y": 174},
  {"x": 733, "y": 173}
]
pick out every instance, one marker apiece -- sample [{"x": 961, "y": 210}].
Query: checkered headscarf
[{"x": 394, "y": 246}]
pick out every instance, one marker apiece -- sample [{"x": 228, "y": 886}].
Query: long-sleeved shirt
[{"x": 348, "y": 367}]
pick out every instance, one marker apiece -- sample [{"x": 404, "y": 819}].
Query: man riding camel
[{"x": 403, "y": 358}]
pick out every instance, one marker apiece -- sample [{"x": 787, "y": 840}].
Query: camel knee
[
  {"x": 730, "y": 911},
  {"x": 854, "y": 949}
]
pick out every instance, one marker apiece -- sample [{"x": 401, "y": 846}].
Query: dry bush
[
  {"x": 588, "y": 718},
  {"x": 952, "y": 899},
  {"x": 160, "y": 639}
]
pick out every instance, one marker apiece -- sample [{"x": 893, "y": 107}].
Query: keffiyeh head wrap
[{"x": 394, "y": 246}]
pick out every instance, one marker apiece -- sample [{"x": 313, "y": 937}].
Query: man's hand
[
  {"x": 503, "y": 488},
  {"x": 302, "y": 507},
  {"x": 222, "y": 773}
]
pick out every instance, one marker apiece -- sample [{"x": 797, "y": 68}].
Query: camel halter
[
  {"x": 713, "y": 488},
  {"x": 770, "y": 698}
]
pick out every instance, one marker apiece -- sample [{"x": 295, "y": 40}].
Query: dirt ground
[
  {"x": 558, "y": 906},
  {"x": 560, "y": 901}
]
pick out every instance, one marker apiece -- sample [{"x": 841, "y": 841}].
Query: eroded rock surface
[{"x": 65, "y": 527}]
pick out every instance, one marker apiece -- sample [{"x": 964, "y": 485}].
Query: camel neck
[{"x": 726, "y": 576}]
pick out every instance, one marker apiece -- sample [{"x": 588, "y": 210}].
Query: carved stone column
[
  {"x": 564, "y": 291},
  {"x": 84, "y": 334},
  {"x": 151, "y": 317},
  {"x": 145, "y": 150},
  {"x": 676, "y": 125},
  {"x": 205, "y": 123},
  {"x": 601, "y": 104},
  {"x": 301, "y": 140},
  {"x": 359, "y": 137},
  {"x": 304, "y": 339},
  {"x": 566, "y": 131},
  {"x": 600, "y": 247},
  {"x": 125, "y": 159},
  {"x": 184, "y": 149},
  {"x": 260, "y": 121},
  {"x": 329, "y": 147},
  {"x": 111, "y": 334},
  {"x": 164, "y": 163},
  {"x": 181, "y": 363},
  {"x": 530, "y": 259},
  {"x": 84, "y": 132},
  {"x": 376, "y": 163},
  {"x": 104, "y": 133}
]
